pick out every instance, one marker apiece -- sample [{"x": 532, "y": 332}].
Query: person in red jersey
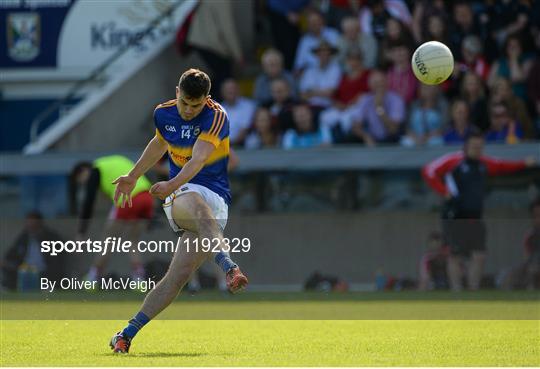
[{"x": 461, "y": 179}]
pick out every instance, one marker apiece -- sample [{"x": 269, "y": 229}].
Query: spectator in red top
[
  {"x": 461, "y": 179},
  {"x": 352, "y": 85},
  {"x": 400, "y": 76},
  {"x": 355, "y": 82}
]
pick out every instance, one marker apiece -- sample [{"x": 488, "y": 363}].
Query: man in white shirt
[
  {"x": 239, "y": 109},
  {"x": 319, "y": 83}
]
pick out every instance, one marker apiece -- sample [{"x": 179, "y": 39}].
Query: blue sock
[
  {"x": 135, "y": 324},
  {"x": 224, "y": 261}
]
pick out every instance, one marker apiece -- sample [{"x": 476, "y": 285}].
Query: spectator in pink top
[{"x": 400, "y": 75}]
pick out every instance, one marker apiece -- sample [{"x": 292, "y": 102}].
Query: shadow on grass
[
  {"x": 169, "y": 354},
  {"x": 207, "y": 296},
  {"x": 159, "y": 354}
]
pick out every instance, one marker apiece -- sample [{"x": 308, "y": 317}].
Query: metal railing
[
  {"x": 336, "y": 158},
  {"x": 98, "y": 71}
]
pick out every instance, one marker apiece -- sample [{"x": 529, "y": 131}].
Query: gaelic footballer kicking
[{"x": 194, "y": 130}]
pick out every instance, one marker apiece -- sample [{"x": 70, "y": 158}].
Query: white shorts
[{"x": 213, "y": 200}]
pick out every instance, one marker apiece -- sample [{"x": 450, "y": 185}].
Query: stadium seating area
[{"x": 339, "y": 72}]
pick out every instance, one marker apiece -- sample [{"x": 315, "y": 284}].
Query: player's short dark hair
[{"x": 194, "y": 83}]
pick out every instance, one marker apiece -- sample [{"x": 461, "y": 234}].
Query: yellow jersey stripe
[
  {"x": 214, "y": 105},
  {"x": 214, "y": 121},
  {"x": 217, "y": 123},
  {"x": 215, "y": 127},
  {"x": 220, "y": 125}
]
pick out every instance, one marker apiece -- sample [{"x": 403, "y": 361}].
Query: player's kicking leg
[
  {"x": 182, "y": 265},
  {"x": 192, "y": 214}
]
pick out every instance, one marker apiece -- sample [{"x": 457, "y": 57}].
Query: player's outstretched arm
[
  {"x": 498, "y": 166},
  {"x": 150, "y": 156},
  {"x": 201, "y": 152},
  {"x": 126, "y": 183}
]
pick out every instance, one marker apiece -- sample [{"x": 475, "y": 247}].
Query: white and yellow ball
[{"x": 432, "y": 63}]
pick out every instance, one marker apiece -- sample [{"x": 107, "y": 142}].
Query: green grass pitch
[{"x": 511, "y": 338}]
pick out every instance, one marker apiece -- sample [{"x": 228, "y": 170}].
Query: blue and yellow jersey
[{"x": 212, "y": 125}]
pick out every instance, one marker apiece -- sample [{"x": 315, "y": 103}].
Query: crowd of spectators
[{"x": 339, "y": 72}]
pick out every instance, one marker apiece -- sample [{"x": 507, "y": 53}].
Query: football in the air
[{"x": 432, "y": 63}]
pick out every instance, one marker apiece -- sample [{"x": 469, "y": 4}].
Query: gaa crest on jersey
[
  {"x": 196, "y": 131},
  {"x": 23, "y": 36}
]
